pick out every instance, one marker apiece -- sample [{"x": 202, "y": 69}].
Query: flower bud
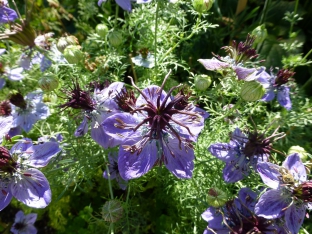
[
  {"x": 202, "y": 82},
  {"x": 216, "y": 197},
  {"x": 115, "y": 38},
  {"x": 202, "y": 6},
  {"x": 101, "y": 30},
  {"x": 260, "y": 33},
  {"x": 252, "y": 91},
  {"x": 63, "y": 42},
  {"x": 48, "y": 83},
  {"x": 112, "y": 211},
  {"x": 73, "y": 54},
  {"x": 299, "y": 150}
]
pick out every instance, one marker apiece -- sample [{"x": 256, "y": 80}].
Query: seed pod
[
  {"x": 101, "y": 30},
  {"x": 216, "y": 197},
  {"x": 73, "y": 54},
  {"x": 252, "y": 91},
  {"x": 202, "y": 6},
  {"x": 115, "y": 38},
  {"x": 112, "y": 211},
  {"x": 202, "y": 82},
  {"x": 260, "y": 33},
  {"x": 63, "y": 42},
  {"x": 299, "y": 150},
  {"x": 48, "y": 83}
]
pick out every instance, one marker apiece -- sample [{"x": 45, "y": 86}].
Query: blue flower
[
  {"x": 19, "y": 177},
  {"x": 291, "y": 193},
  {"x": 158, "y": 130},
  {"x": 125, "y": 4},
  {"x": 6, "y": 14},
  {"x": 24, "y": 224},
  {"x": 26, "y": 112}
]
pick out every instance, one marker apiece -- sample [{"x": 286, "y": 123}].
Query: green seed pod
[
  {"x": 202, "y": 6},
  {"x": 63, "y": 42},
  {"x": 260, "y": 33},
  {"x": 101, "y": 30},
  {"x": 216, "y": 197},
  {"x": 115, "y": 38},
  {"x": 73, "y": 54},
  {"x": 112, "y": 211},
  {"x": 252, "y": 91},
  {"x": 202, "y": 82},
  {"x": 48, "y": 83},
  {"x": 299, "y": 150}
]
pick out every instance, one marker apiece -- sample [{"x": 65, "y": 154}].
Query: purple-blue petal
[
  {"x": 247, "y": 74},
  {"x": 269, "y": 95},
  {"x": 45, "y": 63},
  {"x": 269, "y": 173},
  {"x": 283, "y": 97},
  {"x": 152, "y": 94},
  {"x": 224, "y": 151},
  {"x": 5, "y": 125},
  {"x": 82, "y": 128},
  {"x": 294, "y": 216},
  {"x": 7, "y": 14},
  {"x": 213, "y": 64},
  {"x": 2, "y": 83},
  {"x": 233, "y": 172},
  {"x": 124, "y": 4},
  {"x": 5, "y": 196},
  {"x": 21, "y": 146},
  {"x": 100, "y": 2},
  {"x": 16, "y": 74},
  {"x": 32, "y": 189},
  {"x": 42, "y": 154},
  {"x": 294, "y": 164}
]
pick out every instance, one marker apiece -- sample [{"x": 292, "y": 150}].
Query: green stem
[
  {"x": 264, "y": 12},
  {"x": 116, "y": 16},
  {"x": 111, "y": 227},
  {"x": 305, "y": 57},
  {"x": 127, "y": 210},
  {"x": 155, "y": 46},
  {"x": 292, "y": 22}
]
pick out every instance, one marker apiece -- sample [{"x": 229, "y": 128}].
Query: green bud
[
  {"x": 202, "y": 82},
  {"x": 115, "y": 38},
  {"x": 252, "y": 91},
  {"x": 63, "y": 42},
  {"x": 202, "y": 6},
  {"x": 73, "y": 54},
  {"x": 216, "y": 197},
  {"x": 299, "y": 150},
  {"x": 260, "y": 33},
  {"x": 101, "y": 30},
  {"x": 48, "y": 83}
]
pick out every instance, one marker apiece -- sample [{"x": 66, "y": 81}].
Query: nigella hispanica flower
[
  {"x": 242, "y": 152},
  {"x": 27, "y": 111},
  {"x": 237, "y": 217},
  {"x": 95, "y": 109},
  {"x": 6, "y": 14},
  {"x": 276, "y": 84},
  {"x": 24, "y": 224},
  {"x": 19, "y": 177},
  {"x": 113, "y": 172},
  {"x": 291, "y": 193},
  {"x": 157, "y": 131},
  {"x": 125, "y": 4}
]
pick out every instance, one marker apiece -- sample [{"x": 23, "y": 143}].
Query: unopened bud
[
  {"x": 303, "y": 154},
  {"x": 73, "y": 54},
  {"x": 101, "y": 30},
  {"x": 252, "y": 91},
  {"x": 48, "y": 83},
  {"x": 115, "y": 38},
  {"x": 260, "y": 33},
  {"x": 202, "y": 82},
  {"x": 202, "y": 6}
]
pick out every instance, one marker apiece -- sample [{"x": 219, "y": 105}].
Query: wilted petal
[
  {"x": 42, "y": 154},
  {"x": 269, "y": 173},
  {"x": 124, "y": 4},
  {"x": 271, "y": 204},
  {"x": 178, "y": 161},
  {"x": 294, "y": 164},
  {"x": 131, "y": 165},
  {"x": 294, "y": 216},
  {"x": 283, "y": 97},
  {"x": 32, "y": 189},
  {"x": 5, "y": 196},
  {"x": 213, "y": 64},
  {"x": 82, "y": 128}
]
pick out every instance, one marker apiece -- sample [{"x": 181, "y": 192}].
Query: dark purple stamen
[
  {"x": 126, "y": 100},
  {"x": 5, "y": 108},
  {"x": 18, "y": 100},
  {"x": 283, "y": 76},
  {"x": 7, "y": 164}
]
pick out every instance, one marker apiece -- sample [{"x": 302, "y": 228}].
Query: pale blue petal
[
  {"x": 294, "y": 164},
  {"x": 294, "y": 216},
  {"x": 283, "y": 97},
  {"x": 213, "y": 64}
]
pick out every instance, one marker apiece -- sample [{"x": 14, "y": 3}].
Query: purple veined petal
[
  {"x": 15, "y": 131},
  {"x": 106, "y": 97},
  {"x": 5, "y": 196},
  {"x": 30, "y": 218},
  {"x": 45, "y": 63},
  {"x": 100, "y": 2},
  {"x": 5, "y": 125},
  {"x": 152, "y": 93},
  {"x": 239, "y": 137},
  {"x": 124, "y": 4},
  {"x": 269, "y": 173},
  {"x": 26, "y": 122},
  {"x": 2, "y": 51},
  {"x": 21, "y": 146},
  {"x": 283, "y": 97},
  {"x": 42, "y": 111},
  {"x": 7, "y": 15},
  {"x": 82, "y": 128},
  {"x": 232, "y": 174},
  {"x": 294, "y": 216},
  {"x": 247, "y": 74},
  {"x": 99, "y": 136},
  {"x": 119, "y": 134},
  {"x": 209, "y": 214},
  {"x": 215, "y": 220},
  {"x": 224, "y": 151},
  {"x": 246, "y": 197},
  {"x": 178, "y": 161},
  {"x": 32, "y": 189},
  {"x": 35, "y": 96},
  {"x": 202, "y": 112},
  {"x": 272, "y": 203},
  {"x": 15, "y": 74},
  {"x": 131, "y": 165},
  {"x": 213, "y": 64},
  {"x": 269, "y": 95},
  {"x": 2, "y": 83},
  {"x": 294, "y": 164},
  {"x": 19, "y": 217},
  {"x": 40, "y": 155}
]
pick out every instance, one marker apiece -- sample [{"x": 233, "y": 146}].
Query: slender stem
[
  {"x": 109, "y": 182},
  {"x": 127, "y": 210},
  {"x": 133, "y": 69},
  {"x": 264, "y": 12},
  {"x": 292, "y": 22},
  {"x": 155, "y": 46},
  {"x": 116, "y": 16},
  {"x": 304, "y": 58}
]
